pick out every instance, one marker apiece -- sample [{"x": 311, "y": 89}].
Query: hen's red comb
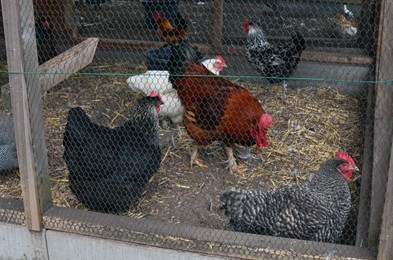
[
  {"x": 344, "y": 155},
  {"x": 221, "y": 59}
]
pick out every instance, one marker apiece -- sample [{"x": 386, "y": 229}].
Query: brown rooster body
[{"x": 215, "y": 109}]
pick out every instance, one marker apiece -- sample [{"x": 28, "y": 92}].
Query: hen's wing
[{"x": 88, "y": 146}]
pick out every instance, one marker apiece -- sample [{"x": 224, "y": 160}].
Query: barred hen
[
  {"x": 110, "y": 167},
  {"x": 316, "y": 210},
  {"x": 276, "y": 62}
]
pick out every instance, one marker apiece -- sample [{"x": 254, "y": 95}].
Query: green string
[{"x": 223, "y": 76}]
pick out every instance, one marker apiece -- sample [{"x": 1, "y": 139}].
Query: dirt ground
[{"x": 312, "y": 124}]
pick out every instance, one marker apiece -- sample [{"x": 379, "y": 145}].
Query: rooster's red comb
[{"x": 266, "y": 121}]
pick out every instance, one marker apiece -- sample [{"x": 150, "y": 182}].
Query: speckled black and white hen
[
  {"x": 275, "y": 62},
  {"x": 316, "y": 210},
  {"x": 110, "y": 167},
  {"x": 8, "y": 156}
]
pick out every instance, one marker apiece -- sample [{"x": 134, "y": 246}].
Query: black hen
[
  {"x": 316, "y": 210},
  {"x": 109, "y": 167},
  {"x": 45, "y": 40},
  {"x": 276, "y": 62}
]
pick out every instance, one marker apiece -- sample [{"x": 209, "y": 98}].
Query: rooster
[
  {"x": 215, "y": 109},
  {"x": 275, "y": 62},
  {"x": 109, "y": 167},
  {"x": 316, "y": 210},
  {"x": 158, "y": 80},
  {"x": 346, "y": 23},
  {"x": 168, "y": 32}
]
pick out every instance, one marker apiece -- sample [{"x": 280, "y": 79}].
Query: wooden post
[
  {"x": 383, "y": 130},
  {"x": 218, "y": 22},
  {"x": 363, "y": 222},
  {"x": 367, "y": 26},
  {"x": 385, "y": 250},
  {"x": 18, "y": 17},
  {"x": 70, "y": 17}
]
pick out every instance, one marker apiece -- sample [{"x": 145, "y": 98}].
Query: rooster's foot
[
  {"x": 232, "y": 165},
  {"x": 194, "y": 158},
  {"x": 235, "y": 169},
  {"x": 197, "y": 163}
]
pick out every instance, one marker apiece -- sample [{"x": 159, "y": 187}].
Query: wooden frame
[{"x": 18, "y": 19}]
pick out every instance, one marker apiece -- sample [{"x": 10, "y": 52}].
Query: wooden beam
[
  {"x": 70, "y": 17},
  {"x": 326, "y": 55},
  {"x": 383, "y": 130},
  {"x": 218, "y": 22},
  {"x": 367, "y": 26},
  {"x": 215, "y": 242},
  {"x": 19, "y": 30},
  {"x": 385, "y": 250},
  {"x": 64, "y": 65},
  {"x": 363, "y": 222}
]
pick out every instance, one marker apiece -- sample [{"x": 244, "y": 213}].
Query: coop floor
[{"x": 311, "y": 125}]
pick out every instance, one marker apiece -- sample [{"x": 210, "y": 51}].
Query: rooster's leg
[
  {"x": 194, "y": 157},
  {"x": 232, "y": 165}
]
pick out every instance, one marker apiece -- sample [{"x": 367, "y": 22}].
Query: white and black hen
[
  {"x": 110, "y": 167},
  {"x": 276, "y": 62},
  {"x": 316, "y": 210}
]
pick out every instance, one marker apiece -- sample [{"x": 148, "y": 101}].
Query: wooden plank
[
  {"x": 367, "y": 26},
  {"x": 327, "y": 55},
  {"x": 383, "y": 130},
  {"x": 385, "y": 250},
  {"x": 195, "y": 239},
  {"x": 64, "y": 65},
  {"x": 218, "y": 22},
  {"x": 367, "y": 170},
  {"x": 19, "y": 30}
]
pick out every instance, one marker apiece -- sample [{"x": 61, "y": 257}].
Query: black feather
[
  {"x": 182, "y": 54},
  {"x": 110, "y": 167}
]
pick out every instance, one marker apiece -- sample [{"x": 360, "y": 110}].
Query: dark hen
[
  {"x": 109, "y": 167},
  {"x": 276, "y": 62},
  {"x": 316, "y": 210}
]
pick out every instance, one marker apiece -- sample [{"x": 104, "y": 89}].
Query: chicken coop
[{"x": 209, "y": 129}]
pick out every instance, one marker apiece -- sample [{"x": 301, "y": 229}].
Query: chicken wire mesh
[{"x": 126, "y": 154}]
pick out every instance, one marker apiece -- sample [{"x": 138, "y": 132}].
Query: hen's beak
[{"x": 355, "y": 169}]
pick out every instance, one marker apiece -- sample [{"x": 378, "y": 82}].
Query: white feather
[{"x": 159, "y": 80}]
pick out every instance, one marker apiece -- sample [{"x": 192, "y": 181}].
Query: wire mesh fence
[{"x": 162, "y": 125}]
